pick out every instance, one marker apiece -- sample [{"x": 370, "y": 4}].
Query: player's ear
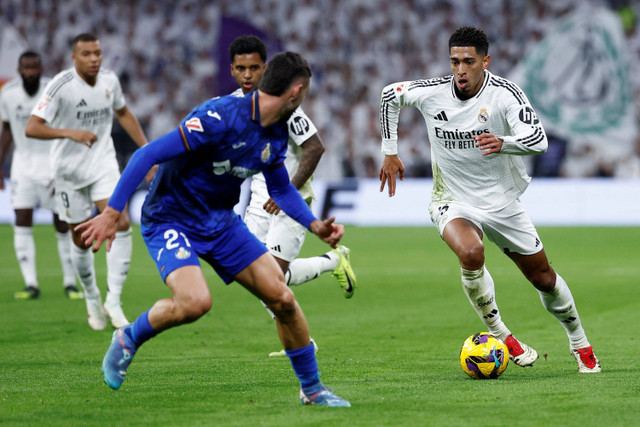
[
  {"x": 295, "y": 90},
  {"x": 486, "y": 61}
]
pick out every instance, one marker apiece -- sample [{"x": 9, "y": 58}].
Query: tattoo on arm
[{"x": 313, "y": 150}]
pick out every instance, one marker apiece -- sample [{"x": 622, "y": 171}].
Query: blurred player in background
[
  {"x": 31, "y": 176},
  {"x": 282, "y": 235},
  {"x": 188, "y": 213},
  {"x": 479, "y": 125},
  {"x": 76, "y": 111}
]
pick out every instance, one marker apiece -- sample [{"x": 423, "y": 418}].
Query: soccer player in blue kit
[{"x": 188, "y": 213}]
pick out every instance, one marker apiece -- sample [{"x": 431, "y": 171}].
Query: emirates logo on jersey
[
  {"x": 483, "y": 117},
  {"x": 266, "y": 153}
]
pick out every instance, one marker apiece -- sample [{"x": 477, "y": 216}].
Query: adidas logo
[
  {"x": 82, "y": 103},
  {"x": 276, "y": 248},
  {"x": 442, "y": 116}
]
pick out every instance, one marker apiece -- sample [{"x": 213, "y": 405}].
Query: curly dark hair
[
  {"x": 247, "y": 44},
  {"x": 472, "y": 37}
]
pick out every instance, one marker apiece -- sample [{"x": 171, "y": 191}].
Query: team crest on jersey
[
  {"x": 194, "y": 124},
  {"x": 266, "y": 153},
  {"x": 483, "y": 117},
  {"x": 182, "y": 253}
]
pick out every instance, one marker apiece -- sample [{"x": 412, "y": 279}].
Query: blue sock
[
  {"x": 305, "y": 366},
  {"x": 141, "y": 330}
]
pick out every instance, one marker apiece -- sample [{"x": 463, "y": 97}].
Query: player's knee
[
  {"x": 284, "y": 305},
  {"x": 543, "y": 279},
  {"x": 191, "y": 309},
  {"x": 472, "y": 257}
]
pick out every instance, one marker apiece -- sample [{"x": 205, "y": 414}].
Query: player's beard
[{"x": 31, "y": 86}]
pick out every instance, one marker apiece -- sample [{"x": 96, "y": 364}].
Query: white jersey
[
  {"x": 71, "y": 103},
  {"x": 300, "y": 130},
  {"x": 30, "y": 155},
  {"x": 460, "y": 172}
]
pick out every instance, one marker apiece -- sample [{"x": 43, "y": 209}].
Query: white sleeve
[
  {"x": 118, "y": 96},
  {"x": 527, "y": 134},
  {"x": 4, "y": 111},
  {"x": 393, "y": 98},
  {"x": 300, "y": 127},
  {"x": 47, "y": 107}
]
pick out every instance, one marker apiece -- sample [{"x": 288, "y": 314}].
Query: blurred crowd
[{"x": 165, "y": 54}]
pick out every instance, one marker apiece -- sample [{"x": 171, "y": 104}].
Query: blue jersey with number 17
[{"x": 225, "y": 144}]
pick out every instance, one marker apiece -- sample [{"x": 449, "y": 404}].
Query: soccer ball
[{"x": 484, "y": 356}]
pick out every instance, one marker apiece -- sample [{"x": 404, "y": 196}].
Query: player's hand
[
  {"x": 152, "y": 172},
  {"x": 100, "y": 228},
  {"x": 391, "y": 166},
  {"x": 488, "y": 143},
  {"x": 327, "y": 231},
  {"x": 83, "y": 137},
  {"x": 271, "y": 207}
]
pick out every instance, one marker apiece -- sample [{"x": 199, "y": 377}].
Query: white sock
[
  {"x": 25, "y": 249},
  {"x": 479, "y": 288},
  {"x": 118, "y": 260},
  {"x": 82, "y": 260},
  {"x": 304, "y": 269},
  {"x": 560, "y": 303},
  {"x": 64, "y": 252}
]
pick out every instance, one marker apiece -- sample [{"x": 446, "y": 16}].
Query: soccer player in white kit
[
  {"x": 31, "y": 176},
  {"x": 479, "y": 125},
  {"x": 76, "y": 112},
  {"x": 282, "y": 235}
]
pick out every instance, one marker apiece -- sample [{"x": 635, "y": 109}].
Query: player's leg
[
  {"x": 25, "y": 249},
  {"x": 63, "y": 237},
  {"x": 190, "y": 300},
  {"x": 119, "y": 257},
  {"x": 557, "y": 299},
  {"x": 284, "y": 240},
  {"x": 74, "y": 206},
  {"x": 264, "y": 279},
  {"x": 178, "y": 264},
  {"x": 465, "y": 240},
  {"x": 24, "y": 198}
]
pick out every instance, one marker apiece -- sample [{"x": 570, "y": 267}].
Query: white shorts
[
  {"x": 281, "y": 234},
  {"x": 509, "y": 228},
  {"x": 75, "y": 205},
  {"x": 27, "y": 193}
]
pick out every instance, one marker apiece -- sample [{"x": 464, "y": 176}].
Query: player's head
[
  {"x": 468, "y": 57},
  {"x": 86, "y": 54},
  {"x": 248, "y": 56},
  {"x": 287, "y": 75},
  {"x": 30, "y": 69}
]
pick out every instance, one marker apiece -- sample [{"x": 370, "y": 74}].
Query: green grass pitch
[{"x": 392, "y": 350}]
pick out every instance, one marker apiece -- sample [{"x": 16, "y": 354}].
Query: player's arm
[
  {"x": 103, "y": 227},
  {"x": 130, "y": 123},
  {"x": 288, "y": 198},
  {"x": 5, "y": 142},
  {"x": 311, "y": 154},
  {"x": 394, "y": 97},
  {"x": 527, "y": 134},
  {"x": 37, "y": 128}
]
